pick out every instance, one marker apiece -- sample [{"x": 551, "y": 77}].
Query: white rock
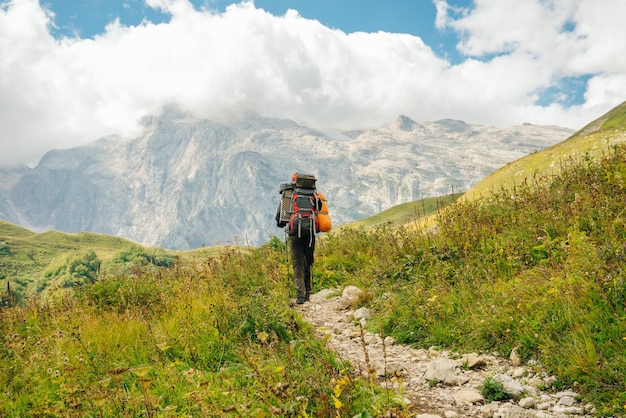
[
  {"x": 444, "y": 370},
  {"x": 389, "y": 341},
  {"x": 510, "y": 385},
  {"x": 473, "y": 361},
  {"x": 322, "y": 295},
  {"x": 350, "y": 295},
  {"x": 361, "y": 313},
  {"x": 527, "y": 402},
  {"x": 531, "y": 391},
  {"x": 427, "y": 416},
  {"x": 566, "y": 401},
  {"x": 514, "y": 358},
  {"x": 518, "y": 372},
  {"x": 568, "y": 410},
  {"x": 513, "y": 411},
  {"x": 450, "y": 414},
  {"x": 550, "y": 381},
  {"x": 489, "y": 410},
  {"x": 390, "y": 368},
  {"x": 570, "y": 393},
  {"x": 468, "y": 396},
  {"x": 536, "y": 382}
]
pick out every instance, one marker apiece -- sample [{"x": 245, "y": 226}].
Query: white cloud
[{"x": 61, "y": 93}]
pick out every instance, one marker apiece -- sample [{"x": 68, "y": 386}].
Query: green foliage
[
  {"x": 124, "y": 293},
  {"x": 542, "y": 269},
  {"x": 492, "y": 390},
  {"x": 137, "y": 257},
  {"x": 198, "y": 338},
  {"x": 276, "y": 244},
  {"x": 28, "y": 260},
  {"x": 615, "y": 119},
  {"x": 76, "y": 269},
  {"x": 5, "y": 249},
  {"x": 402, "y": 214}
]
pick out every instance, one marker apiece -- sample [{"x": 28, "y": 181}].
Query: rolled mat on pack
[{"x": 323, "y": 217}]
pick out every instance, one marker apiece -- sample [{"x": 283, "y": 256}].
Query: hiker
[{"x": 299, "y": 209}]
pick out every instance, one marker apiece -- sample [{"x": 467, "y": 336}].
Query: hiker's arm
[{"x": 278, "y": 222}]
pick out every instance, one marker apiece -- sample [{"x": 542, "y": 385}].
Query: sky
[{"x": 73, "y": 71}]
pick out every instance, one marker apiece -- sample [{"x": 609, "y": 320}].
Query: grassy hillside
[
  {"x": 401, "y": 214},
  {"x": 35, "y": 263},
  {"x": 214, "y": 335},
  {"x": 544, "y": 273},
  {"x": 594, "y": 140},
  {"x": 39, "y": 265}
]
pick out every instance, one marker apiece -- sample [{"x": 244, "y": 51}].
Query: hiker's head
[{"x": 284, "y": 186}]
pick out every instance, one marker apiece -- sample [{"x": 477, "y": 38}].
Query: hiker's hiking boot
[
  {"x": 300, "y": 300},
  {"x": 307, "y": 297}
]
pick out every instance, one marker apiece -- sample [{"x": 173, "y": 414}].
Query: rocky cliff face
[{"x": 190, "y": 182}]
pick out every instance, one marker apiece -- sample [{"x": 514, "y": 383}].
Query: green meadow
[{"x": 533, "y": 258}]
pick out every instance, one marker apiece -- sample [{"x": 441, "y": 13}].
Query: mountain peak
[
  {"x": 405, "y": 123},
  {"x": 188, "y": 182}
]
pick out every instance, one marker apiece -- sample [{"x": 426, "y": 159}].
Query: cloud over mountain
[{"x": 57, "y": 93}]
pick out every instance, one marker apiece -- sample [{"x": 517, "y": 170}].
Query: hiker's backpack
[
  {"x": 298, "y": 207},
  {"x": 303, "y": 221}
]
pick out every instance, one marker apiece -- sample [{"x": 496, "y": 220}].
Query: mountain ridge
[{"x": 187, "y": 182}]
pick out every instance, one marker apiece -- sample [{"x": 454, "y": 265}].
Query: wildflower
[{"x": 141, "y": 371}]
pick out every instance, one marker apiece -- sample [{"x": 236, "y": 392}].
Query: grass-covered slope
[
  {"x": 38, "y": 264},
  {"x": 210, "y": 337},
  {"x": 593, "y": 140},
  {"x": 544, "y": 273},
  {"x": 542, "y": 270},
  {"x": 31, "y": 262},
  {"x": 400, "y": 215}
]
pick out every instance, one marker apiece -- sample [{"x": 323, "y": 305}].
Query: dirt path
[{"x": 433, "y": 383}]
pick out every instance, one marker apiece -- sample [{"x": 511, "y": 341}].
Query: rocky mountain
[{"x": 189, "y": 182}]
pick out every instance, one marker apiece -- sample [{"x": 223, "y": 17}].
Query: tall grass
[
  {"x": 541, "y": 270},
  {"x": 201, "y": 338}
]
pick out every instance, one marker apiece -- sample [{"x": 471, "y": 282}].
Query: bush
[
  {"x": 136, "y": 259},
  {"x": 492, "y": 390},
  {"x": 76, "y": 269},
  {"x": 5, "y": 249}
]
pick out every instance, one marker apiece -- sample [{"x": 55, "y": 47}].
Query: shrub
[
  {"x": 492, "y": 390},
  {"x": 76, "y": 269}
]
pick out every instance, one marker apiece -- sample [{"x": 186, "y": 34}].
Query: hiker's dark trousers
[{"x": 302, "y": 258}]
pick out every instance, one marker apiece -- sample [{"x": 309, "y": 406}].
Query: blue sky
[
  {"x": 74, "y": 70},
  {"x": 416, "y": 17}
]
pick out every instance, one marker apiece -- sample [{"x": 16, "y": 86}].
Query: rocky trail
[{"x": 435, "y": 383}]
